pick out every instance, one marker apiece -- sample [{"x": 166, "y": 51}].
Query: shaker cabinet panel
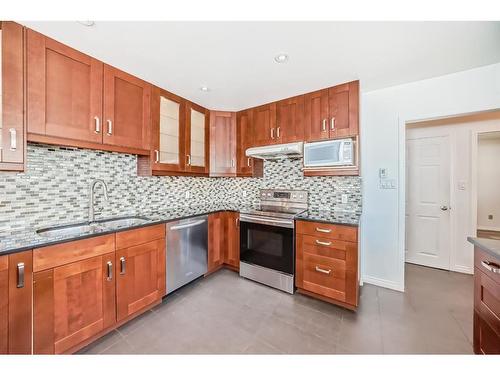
[
  {"x": 12, "y": 140},
  {"x": 264, "y": 125},
  {"x": 222, "y": 143},
  {"x": 289, "y": 120},
  {"x": 197, "y": 139},
  {"x": 64, "y": 91},
  {"x": 316, "y": 121},
  {"x": 126, "y": 109},
  {"x": 138, "y": 276}
]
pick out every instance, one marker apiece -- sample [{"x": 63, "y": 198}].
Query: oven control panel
[{"x": 299, "y": 196}]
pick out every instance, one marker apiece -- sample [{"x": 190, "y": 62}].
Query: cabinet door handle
[
  {"x": 248, "y": 162},
  {"x": 110, "y": 127},
  {"x": 237, "y": 221},
  {"x": 323, "y": 243},
  {"x": 232, "y": 163},
  {"x": 272, "y": 133},
  {"x": 157, "y": 156},
  {"x": 323, "y": 230},
  {"x": 188, "y": 159},
  {"x": 13, "y": 139},
  {"x": 97, "y": 122},
  {"x": 490, "y": 266},
  {"x": 122, "y": 266},
  {"x": 20, "y": 275},
  {"x": 278, "y": 131},
  {"x": 327, "y": 272},
  {"x": 332, "y": 123},
  {"x": 109, "y": 267},
  {"x": 324, "y": 125}
]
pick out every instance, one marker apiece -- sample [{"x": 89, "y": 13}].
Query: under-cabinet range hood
[{"x": 273, "y": 152}]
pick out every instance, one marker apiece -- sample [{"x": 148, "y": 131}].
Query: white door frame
[{"x": 404, "y": 119}]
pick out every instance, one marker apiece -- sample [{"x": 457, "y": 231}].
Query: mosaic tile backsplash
[{"x": 55, "y": 187}]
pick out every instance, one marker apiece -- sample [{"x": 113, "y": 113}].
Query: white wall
[
  {"x": 488, "y": 176},
  {"x": 383, "y": 117}
]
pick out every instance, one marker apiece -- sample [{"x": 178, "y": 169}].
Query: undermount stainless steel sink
[
  {"x": 95, "y": 227},
  {"x": 68, "y": 230},
  {"x": 120, "y": 222}
]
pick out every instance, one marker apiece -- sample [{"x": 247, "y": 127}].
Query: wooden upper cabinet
[
  {"x": 15, "y": 303},
  {"x": 139, "y": 281},
  {"x": 343, "y": 109},
  {"x": 126, "y": 109},
  {"x": 197, "y": 139},
  {"x": 64, "y": 91},
  {"x": 11, "y": 97},
  {"x": 244, "y": 138},
  {"x": 316, "y": 121},
  {"x": 264, "y": 125},
  {"x": 222, "y": 143},
  {"x": 289, "y": 120},
  {"x": 168, "y": 119}
]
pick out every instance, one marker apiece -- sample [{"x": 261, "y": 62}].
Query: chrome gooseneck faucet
[{"x": 93, "y": 184}]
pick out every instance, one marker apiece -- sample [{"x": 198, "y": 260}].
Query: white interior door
[{"x": 428, "y": 200}]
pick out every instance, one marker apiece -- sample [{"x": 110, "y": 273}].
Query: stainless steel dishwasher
[{"x": 187, "y": 250}]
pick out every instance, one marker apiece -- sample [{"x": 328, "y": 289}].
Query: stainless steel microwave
[{"x": 332, "y": 153}]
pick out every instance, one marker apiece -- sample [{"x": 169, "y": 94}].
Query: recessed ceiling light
[
  {"x": 86, "y": 23},
  {"x": 204, "y": 88},
  {"x": 281, "y": 58}
]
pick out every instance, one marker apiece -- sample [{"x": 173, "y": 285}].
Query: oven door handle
[{"x": 262, "y": 220}]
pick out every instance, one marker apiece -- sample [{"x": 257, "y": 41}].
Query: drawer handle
[
  {"x": 20, "y": 275},
  {"x": 323, "y": 243},
  {"x": 323, "y": 230},
  {"x": 122, "y": 266},
  {"x": 492, "y": 267},
  {"x": 13, "y": 139},
  {"x": 327, "y": 272},
  {"x": 109, "y": 266}
]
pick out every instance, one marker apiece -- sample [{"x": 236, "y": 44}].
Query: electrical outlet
[
  {"x": 187, "y": 195},
  {"x": 244, "y": 193},
  {"x": 490, "y": 217},
  {"x": 344, "y": 198}
]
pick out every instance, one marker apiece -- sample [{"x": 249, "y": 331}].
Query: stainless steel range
[{"x": 267, "y": 249}]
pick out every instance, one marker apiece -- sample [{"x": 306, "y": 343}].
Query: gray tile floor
[{"x": 225, "y": 314}]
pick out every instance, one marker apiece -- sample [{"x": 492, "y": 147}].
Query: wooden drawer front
[
  {"x": 69, "y": 252},
  {"x": 484, "y": 261},
  {"x": 487, "y": 299},
  {"x": 325, "y": 276},
  {"x": 336, "y": 232},
  {"x": 139, "y": 236},
  {"x": 327, "y": 247},
  {"x": 486, "y": 340}
]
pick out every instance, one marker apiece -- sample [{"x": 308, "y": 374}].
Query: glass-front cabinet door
[
  {"x": 197, "y": 134},
  {"x": 168, "y": 127}
]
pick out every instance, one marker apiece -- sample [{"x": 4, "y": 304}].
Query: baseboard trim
[
  {"x": 492, "y": 229},
  {"x": 463, "y": 269},
  {"x": 383, "y": 283}
]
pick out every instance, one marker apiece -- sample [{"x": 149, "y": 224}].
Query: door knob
[{"x": 444, "y": 208}]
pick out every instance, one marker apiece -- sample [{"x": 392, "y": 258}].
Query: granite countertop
[
  {"x": 27, "y": 238},
  {"x": 487, "y": 244},
  {"x": 331, "y": 216}
]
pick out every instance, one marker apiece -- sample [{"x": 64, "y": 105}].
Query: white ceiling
[{"x": 236, "y": 59}]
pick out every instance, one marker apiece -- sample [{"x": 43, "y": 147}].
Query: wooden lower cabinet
[
  {"x": 76, "y": 300},
  {"x": 140, "y": 278},
  {"x": 232, "y": 254},
  {"x": 84, "y": 288},
  {"x": 15, "y": 303},
  {"x": 327, "y": 262},
  {"x": 216, "y": 241},
  {"x": 486, "y": 303},
  {"x": 223, "y": 240}
]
